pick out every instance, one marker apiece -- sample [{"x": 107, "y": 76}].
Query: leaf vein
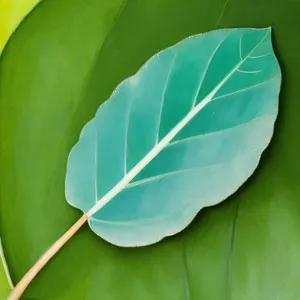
[
  {"x": 245, "y": 89},
  {"x": 259, "y": 56},
  {"x": 250, "y": 72},
  {"x": 196, "y": 137},
  {"x": 164, "y": 95},
  {"x": 240, "y": 48},
  {"x": 205, "y": 72},
  {"x": 185, "y": 272},
  {"x": 96, "y": 166},
  {"x": 178, "y": 172},
  {"x": 222, "y": 13},
  {"x": 229, "y": 265}
]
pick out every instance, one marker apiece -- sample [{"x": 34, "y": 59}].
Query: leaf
[
  {"x": 243, "y": 249},
  {"x": 182, "y": 134},
  {"x": 11, "y": 14}
]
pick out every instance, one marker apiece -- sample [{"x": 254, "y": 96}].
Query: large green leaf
[
  {"x": 183, "y": 133},
  {"x": 11, "y": 13},
  {"x": 66, "y": 59}
]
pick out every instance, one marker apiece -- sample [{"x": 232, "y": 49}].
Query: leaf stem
[{"x": 36, "y": 268}]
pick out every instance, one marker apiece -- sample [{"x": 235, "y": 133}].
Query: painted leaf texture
[
  {"x": 182, "y": 134},
  {"x": 70, "y": 56},
  {"x": 11, "y": 14}
]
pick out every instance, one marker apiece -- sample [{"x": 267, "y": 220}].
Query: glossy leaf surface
[
  {"x": 11, "y": 14},
  {"x": 182, "y": 134},
  {"x": 246, "y": 248}
]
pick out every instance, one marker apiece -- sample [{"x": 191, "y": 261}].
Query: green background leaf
[
  {"x": 11, "y": 13},
  {"x": 63, "y": 61}
]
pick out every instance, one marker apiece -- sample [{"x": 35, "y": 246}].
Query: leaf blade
[
  {"x": 11, "y": 14},
  {"x": 124, "y": 95}
]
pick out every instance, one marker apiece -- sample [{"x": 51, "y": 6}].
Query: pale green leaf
[{"x": 182, "y": 134}]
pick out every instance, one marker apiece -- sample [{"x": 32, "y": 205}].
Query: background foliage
[{"x": 11, "y": 13}]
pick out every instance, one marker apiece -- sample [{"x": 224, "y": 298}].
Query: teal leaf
[{"x": 184, "y": 133}]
